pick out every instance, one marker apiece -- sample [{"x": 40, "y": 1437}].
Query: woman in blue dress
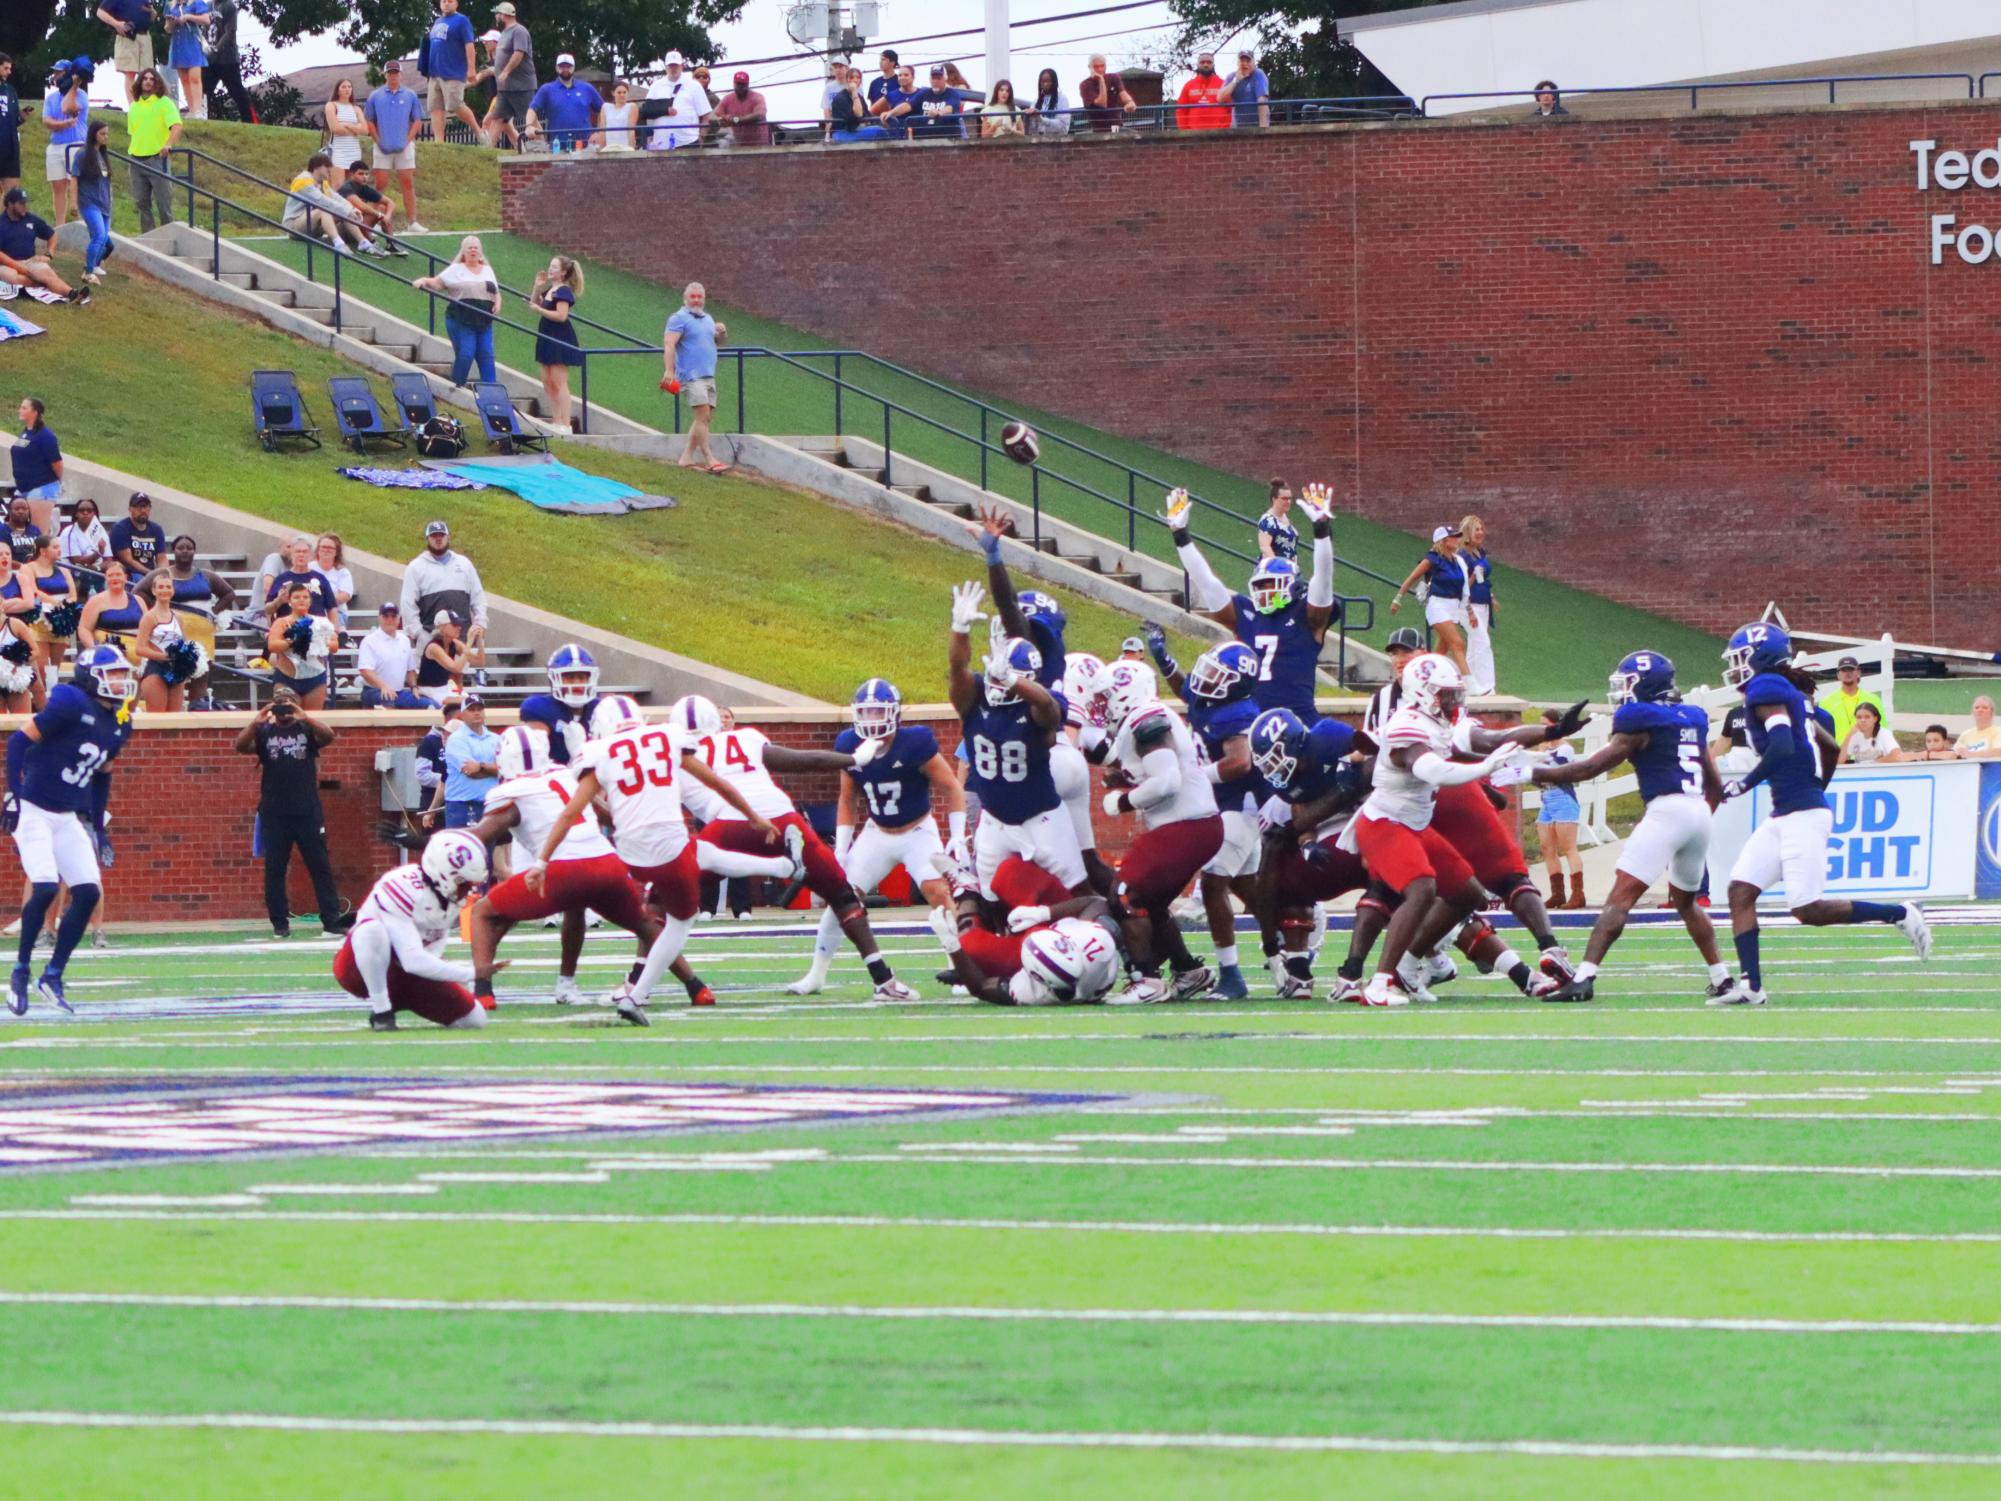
[
  {"x": 188, "y": 22},
  {"x": 555, "y": 293}
]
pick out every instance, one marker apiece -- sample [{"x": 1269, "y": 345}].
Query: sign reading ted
[{"x": 1952, "y": 172}]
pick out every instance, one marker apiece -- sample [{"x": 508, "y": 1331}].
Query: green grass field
[{"x": 1488, "y": 1249}]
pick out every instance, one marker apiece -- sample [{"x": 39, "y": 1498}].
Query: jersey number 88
[{"x": 1007, "y": 762}]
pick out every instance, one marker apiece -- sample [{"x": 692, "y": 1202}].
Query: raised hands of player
[
  {"x": 946, "y": 926},
  {"x": 1178, "y": 508},
  {"x": 1570, "y": 724},
  {"x": 966, "y": 601},
  {"x": 1021, "y": 919},
  {"x": 1156, "y": 647},
  {"x": 1317, "y": 501},
  {"x": 994, "y": 525},
  {"x": 867, "y": 751}
]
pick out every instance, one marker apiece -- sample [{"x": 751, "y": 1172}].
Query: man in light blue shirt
[
  {"x": 690, "y": 347},
  {"x": 393, "y": 114},
  {"x": 1249, "y": 90},
  {"x": 66, "y": 109},
  {"x": 471, "y": 766}
]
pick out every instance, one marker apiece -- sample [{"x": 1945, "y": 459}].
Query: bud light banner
[
  {"x": 1988, "y": 834},
  {"x": 1899, "y": 831}
]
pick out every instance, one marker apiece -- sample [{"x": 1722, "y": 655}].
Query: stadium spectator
[
  {"x": 889, "y": 106},
  {"x": 744, "y": 111},
  {"x": 313, "y": 209},
  {"x": 568, "y": 110},
  {"x": 1132, "y": 649},
  {"x": 1248, "y": 92},
  {"x": 471, "y": 769},
  {"x": 1050, "y": 114},
  {"x": 557, "y": 287},
  {"x": 512, "y": 76},
  {"x": 111, "y": 614},
  {"x": 933, "y": 110},
  {"x": 618, "y": 123},
  {"x": 1847, "y": 697},
  {"x": 225, "y": 62},
  {"x": 393, "y": 114},
  {"x": 14, "y": 605},
  {"x": 1731, "y": 749},
  {"x": 188, "y": 22},
  {"x": 153, "y": 126},
  {"x": 1983, "y": 741},
  {"x": 1001, "y": 118},
  {"x": 66, "y": 111},
  {"x": 131, "y": 23},
  {"x": 10, "y": 127},
  {"x": 371, "y": 209},
  {"x": 711, "y": 128},
  {"x": 344, "y": 126},
  {"x": 885, "y": 79},
  {"x": 472, "y": 291},
  {"x": 287, "y": 741},
  {"x": 301, "y": 667},
  {"x": 93, "y": 198},
  {"x": 299, "y": 571},
  {"x": 23, "y": 535},
  {"x": 1277, "y": 536},
  {"x": 689, "y": 345},
  {"x": 431, "y": 764},
  {"x": 45, "y": 580},
  {"x": 1443, "y": 573},
  {"x": 388, "y": 664},
  {"x": 1556, "y": 825},
  {"x": 85, "y": 542},
  {"x": 330, "y": 558},
  {"x": 1479, "y": 605},
  {"x": 440, "y": 579},
  {"x": 1103, "y": 97},
  {"x": 835, "y": 86},
  {"x": 448, "y": 62},
  {"x": 970, "y": 99},
  {"x": 1548, "y": 102},
  {"x": 24, "y": 262},
  {"x": 37, "y": 456},
  {"x": 851, "y": 120},
  {"x": 1200, "y": 109},
  {"x": 1938, "y": 744},
  {"x": 198, "y": 594},
  {"x": 1869, "y": 740},
  {"x": 137, "y": 540},
  {"x": 159, "y": 630}
]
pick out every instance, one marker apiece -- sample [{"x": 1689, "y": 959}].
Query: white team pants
[
  {"x": 1243, "y": 848},
  {"x": 1048, "y": 839},
  {"x": 56, "y": 847},
  {"x": 1792, "y": 848},
  {"x": 1072, "y": 775},
  {"x": 1673, "y": 836},
  {"x": 1479, "y": 649}
]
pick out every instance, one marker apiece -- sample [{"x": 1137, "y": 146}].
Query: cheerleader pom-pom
[
  {"x": 15, "y": 678},
  {"x": 324, "y": 636},
  {"x": 17, "y": 651},
  {"x": 186, "y": 662},
  {"x": 62, "y": 619},
  {"x": 299, "y": 636}
]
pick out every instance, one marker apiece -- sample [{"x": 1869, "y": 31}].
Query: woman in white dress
[
  {"x": 346, "y": 129},
  {"x": 620, "y": 130}
]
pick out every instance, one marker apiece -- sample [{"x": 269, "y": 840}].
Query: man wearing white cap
[
  {"x": 512, "y": 76},
  {"x": 678, "y": 100},
  {"x": 568, "y": 109}
]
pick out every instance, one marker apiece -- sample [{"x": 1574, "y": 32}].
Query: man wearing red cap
[{"x": 742, "y": 108}]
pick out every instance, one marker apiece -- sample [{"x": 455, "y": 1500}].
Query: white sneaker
[
  {"x": 1190, "y": 983},
  {"x": 630, "y": 1011},
  {"x": 894, "y": 989},
  {"x": 959, "y": 875},
  {"x": 810, "y": 983},
  {"x": 1292, "y": 988},
  {"x": 1437, "y": 969},
  {"x": 1411, "y": 972},
  {"x": 569, "y": 992},
  {"x": 1347, "y": 990},
  {"x": 1144, "y": 991},
  {"x": 1740, "y": 994},
  {"x": 1385, "y": 990},
  {"x": 795, "y": 851},
  {"x": 1915, "y": 928},
  {"x": 1556, "y": 964},
  {"x": 414, "y": 228},
  {"x": 369, "y": 247}
]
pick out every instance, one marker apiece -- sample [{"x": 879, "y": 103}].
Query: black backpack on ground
[{"x": 441, "y": 438}]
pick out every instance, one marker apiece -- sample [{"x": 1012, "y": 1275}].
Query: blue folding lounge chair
[
  {"x": 359, "y": 417},
  {"x": 278, "y": 411},
  {"x": 412, "y": 391},
  {"x": 501, "y": 423}
]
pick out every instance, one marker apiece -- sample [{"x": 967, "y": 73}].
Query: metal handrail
[
  {"x": 1983, "y": 82},
  {"x": 1694, "y": 90}
]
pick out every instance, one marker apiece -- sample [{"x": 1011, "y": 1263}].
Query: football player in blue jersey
[
  {"x": 565, "y": 710},
  {"x": 1796, "y": 756},
  {"x": 1667, "y": 743},
  {"x": 1285, "y": 631},
  {"x": 1011, "y": 721},
  {"x": 1219, "y": 691},
  {"x": 891, "y": 799},
  {"x": 1314, "y": 784},
  {"x": 58, "y": 785}
]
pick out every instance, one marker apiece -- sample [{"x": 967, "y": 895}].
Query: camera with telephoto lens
[{"x": 76, "y": 70}]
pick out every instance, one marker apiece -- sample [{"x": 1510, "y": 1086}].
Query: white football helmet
[
  {"x": 614, "y": 712},
  {"x": 524, "y": 749},
  {"x": 453, "y": 863},
  {"x": 1126, "y": 688},
  {"x": 1099, "y": 953},
  {"x": 1050, "y": 970},
  {"x": 1433, "y": 686},
  {"x": 1080, "y": 687},
  {"x": 695, "y": 716}
]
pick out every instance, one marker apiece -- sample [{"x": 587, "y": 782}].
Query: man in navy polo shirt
[
  {"x": 568, "y": 109},
  {"x": 22, "y": 263}
]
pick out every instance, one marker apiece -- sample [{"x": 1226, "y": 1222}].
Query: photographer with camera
[
  {"x": 131, "y": 23},
  {"x": 287, "y": 742},
  {"x": 66, "y": 111}
]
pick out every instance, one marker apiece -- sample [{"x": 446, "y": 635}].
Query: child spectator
[
  {"x": 1938, "y": 744},
  {"x": 1869, "y": 740}
]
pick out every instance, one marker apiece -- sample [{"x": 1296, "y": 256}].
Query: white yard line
[
  {"x": 993, "y": 1438},
  {"x": 979, "y": 1313},
  {"x": 885, "y": 1071},
  {"x": 971, "y": 1155}
]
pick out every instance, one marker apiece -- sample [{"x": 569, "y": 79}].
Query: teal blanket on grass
[{"x": 549, "y": 484}]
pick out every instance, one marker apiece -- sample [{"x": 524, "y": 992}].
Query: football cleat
[
  {"x": 1718, "y": 990},
  {"x": 630, "y": 1011},
  {"x": 569, "y": 992},
  {"x": 1292, "y": 988},
  {"x": 1571, "y": 990},
  {"x": 1437, "y": 969},
  {"x": 1144, "y": 990},
  {"x": 1739, "y": 994},
  {"x": 1410, "y": 972},
  {"x": 1556, "y": 964},
  {"x": 703, "y": 996},
  {"x": 1230, "y": 985},
  {"x": 17, "y": 989},
  {"x": 1346, "y": 990},
  {"x": 894, "y": 989},
  {"x": 51, "y": 988},
  {"x": 810, "y": 983},
  {"x": 1915, "y": 928},
  {"x": 382, "y": 1021},
  {"x": 959, "y": 874},
  {"x": 1189, "y": 984},
  {"x": 1385, "y": 990},
  {"x": 795, "y": 851}
]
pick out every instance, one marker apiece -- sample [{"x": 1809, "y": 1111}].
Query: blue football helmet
[
  {"x": 1223, "y": 674},
  {"x": 1273, "y": 582},
  {"x": 103, "y": 672},
  {"x": 878, "y": 709},
  {"x": 1756, "y": 648},
  {"x": 1643, "y": 676},
  {"x": 1043, "y": 607},
  {"x": 1278, "y": 744},
  {"x": 1014, "y": 656},
  {"x": 573, "y": 675}
]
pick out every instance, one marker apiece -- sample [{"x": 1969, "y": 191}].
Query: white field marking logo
[{"x": 357, "y": 1113}]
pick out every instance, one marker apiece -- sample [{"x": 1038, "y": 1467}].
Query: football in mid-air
[{"x": 1018, "y": 442}]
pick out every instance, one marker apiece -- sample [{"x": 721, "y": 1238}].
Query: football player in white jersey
[
  {"x": 1181, "y": 832},
  {"x": 394, "y": 955},
  {"x": 585, "y": 873},
  {"x": 1066, "y": 962}
]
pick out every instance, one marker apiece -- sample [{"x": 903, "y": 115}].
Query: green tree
[{"x": 1298, "y": 43}]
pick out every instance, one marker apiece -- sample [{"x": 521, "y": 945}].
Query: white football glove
[
  {"x": 946, "y": 926},
  {"x": 1317, "y": 501},
  {"x": 1179, "y": 507},
  {"x": 1504, "y": 756},
  {"x": 966, "y": 601},
  {"x": 1005, "y": 676},
  {"x": 1733, "y": 788},
  {"x": 1270, "y": 821},
  {"x": 1112, "y": 808},
  {"x": 867, "y": 751},
  {"x": 1023, "y": 918},
  {"x": 957, "y": 853}
]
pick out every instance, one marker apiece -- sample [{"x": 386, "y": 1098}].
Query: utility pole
[{"x": 997, "y": 45}]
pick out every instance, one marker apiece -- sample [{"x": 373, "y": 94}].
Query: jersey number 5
[{"x": 646, "y": 758}]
